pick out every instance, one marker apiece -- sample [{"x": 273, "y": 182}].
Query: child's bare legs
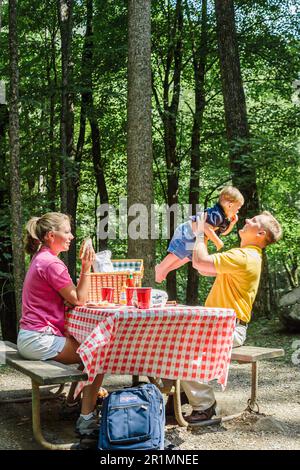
[{"x": 169, "y": 263}]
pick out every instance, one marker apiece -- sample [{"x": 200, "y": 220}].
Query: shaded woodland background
[{"x": 163, "y": 102}]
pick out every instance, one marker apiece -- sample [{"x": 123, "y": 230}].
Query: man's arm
[{"x": 202, "y": 261}]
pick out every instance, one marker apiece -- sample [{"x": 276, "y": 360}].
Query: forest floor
[{"x": 276, "y": 428}]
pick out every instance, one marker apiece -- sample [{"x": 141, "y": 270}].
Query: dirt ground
[{"x": 277, "y": 428}]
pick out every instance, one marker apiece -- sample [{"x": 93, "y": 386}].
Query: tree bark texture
[
  {"x": 168, "y": 111},
  {"x": 199, "y": 65},
  {"x": 263, "y": 301},
  {"x": 8, "y": 318},
  {"x": 139, "y": 129},
  {"x": 1, "y": 15},
  {"x": 91, "y": 114},
  {"x": 170, "y": 128},
  {"x": 68, "y": 168},
  {"x": 290, "y": 263},
  {"x": 52, "y": 85},
  {"x": 238, "y": 135},
  {"x": 16, "y": 208}
]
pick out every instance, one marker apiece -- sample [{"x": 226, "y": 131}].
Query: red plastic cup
[
  {"x": 107, "y": 293},
  {"x": 129, "y": 295},
  {"x": 143, "y": 297}
]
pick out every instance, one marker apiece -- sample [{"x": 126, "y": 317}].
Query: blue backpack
[{"x": 133, "y": 419}]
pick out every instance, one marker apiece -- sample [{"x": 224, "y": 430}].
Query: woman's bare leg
[
  {"x": 169, "y": 263},
  {"x": 69, "y": 355},
  {"x": 89, "y": 395},
  {"x": 70, "y": 397},
  {"x": 90, "y": 392}
]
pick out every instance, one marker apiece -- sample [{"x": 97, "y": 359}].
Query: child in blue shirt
[{"x": 220, "y": 219}]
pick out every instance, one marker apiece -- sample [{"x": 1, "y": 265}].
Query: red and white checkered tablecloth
[{"x": 188, "y": 343}]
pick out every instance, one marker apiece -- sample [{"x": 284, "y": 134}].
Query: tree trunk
[
  {"x": 139, "y": 132},
  {"x": 95, "y": 131},
  {"x": 168, "y": 113},
  {"x": 8, "y": 318},
  {"x": 83, "y": 108},
  {"x": 98, "y": 169},
  {"x": 52, "y": 85},
  {"x": 0, "y": 15},
  {"x": 290, "y": 263},
  {"x": 15, "y": 184},
  {"x": 88, "y": 111},
  {"x": 262, "y": 304},
  {"x": 238, "y": 135},
  {"x": 69, "y": 170},
  {"x": 199, "y": 64}
]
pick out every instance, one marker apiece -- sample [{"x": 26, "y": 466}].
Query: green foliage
[
  {"x": 269, "y": 333},
  {"x": 268, "y": 36}
]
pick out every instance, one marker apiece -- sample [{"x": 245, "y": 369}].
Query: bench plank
[
  {"x": 42, "y": 372},
  {"x": 254, "y": 353},
  {"x": 6, "y": 346}
]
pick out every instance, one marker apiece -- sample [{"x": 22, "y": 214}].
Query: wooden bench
[
  {"x": 244, "y": 355},
  {"x": 252, "y": 355},
  {"x": 41, "y": 373}
]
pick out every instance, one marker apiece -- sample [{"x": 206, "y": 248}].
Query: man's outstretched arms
[{"x": 202, "y": 261}]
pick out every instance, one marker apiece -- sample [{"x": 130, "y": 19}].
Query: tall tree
[
  {"x": 87, "y": 111},
  {"x": 69, "y": 171},
  {"x": 52, "y": 82},
  {"x": 238, "y": 134},
  {"x": 15, "y": 194},
  {"x": 139, "y": 130},
  {"x": 7, "y": 295},
  {"x": 168, "y": 111},
  {"x": 237, "y": 128},
  {"x": 92, "y": 115},
  {"x": 0, "y": 14},
  {"x": 199, "y": 52}
]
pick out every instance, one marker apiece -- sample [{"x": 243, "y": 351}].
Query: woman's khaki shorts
[{"x": 39, "y": 346}]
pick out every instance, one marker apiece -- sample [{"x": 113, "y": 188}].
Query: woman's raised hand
[{"x": 87, "y": 255}]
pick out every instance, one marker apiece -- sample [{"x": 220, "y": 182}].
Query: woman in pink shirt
[{"x": 46, "y": 288}]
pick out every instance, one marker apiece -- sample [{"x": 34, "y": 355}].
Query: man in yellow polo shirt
[{"x": 237, "y": 274}]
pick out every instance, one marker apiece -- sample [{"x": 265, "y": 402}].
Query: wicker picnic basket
[{"x": 117, "y": 278}]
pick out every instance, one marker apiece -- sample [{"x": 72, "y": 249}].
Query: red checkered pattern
[{"x": 188, "y": 343}]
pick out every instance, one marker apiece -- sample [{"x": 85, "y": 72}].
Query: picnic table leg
[
  {"x": 177, "y": 406},
  {"x": 51, "y": 396},
  {"x": 252, "y": 402},
  {"x": 36, "y": 422}
]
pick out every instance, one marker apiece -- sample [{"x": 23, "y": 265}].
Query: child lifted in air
[{"x": 220, "y": 219}]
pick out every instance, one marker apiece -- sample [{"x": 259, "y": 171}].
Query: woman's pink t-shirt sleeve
[{"x": 57, "y": 276}]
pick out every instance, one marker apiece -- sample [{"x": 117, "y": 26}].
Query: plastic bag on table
[{"x": 103, "y": 263}]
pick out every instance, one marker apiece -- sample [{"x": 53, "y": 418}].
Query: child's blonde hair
[
  {"x": 231, "y": 194},
  {"x": 38, "y": 227}
]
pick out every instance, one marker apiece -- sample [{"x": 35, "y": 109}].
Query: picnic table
[{"x": 174, "y": 342}]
